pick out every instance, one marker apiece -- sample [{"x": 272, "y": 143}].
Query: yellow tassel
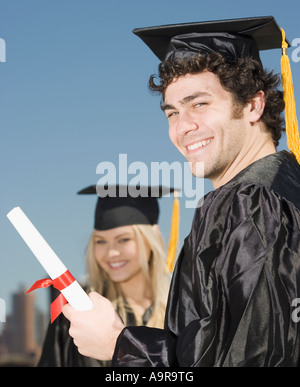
[
  {"x": 291, "y": 123},
  {"x": 174, "y": 232}
]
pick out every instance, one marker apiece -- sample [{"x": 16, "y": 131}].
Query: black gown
[
  {"x": 59, "y": 349},
  {"x": 231, "y": 297}
]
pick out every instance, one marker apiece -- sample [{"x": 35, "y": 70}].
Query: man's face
[{"x": 202, "y": 124}]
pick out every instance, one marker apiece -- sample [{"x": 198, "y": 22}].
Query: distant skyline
[
  {"x": 74, "y": 94},
  {"x": 23, "y": 333}
]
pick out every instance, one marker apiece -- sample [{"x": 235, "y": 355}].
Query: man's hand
[{"x": 95, "y": 331}]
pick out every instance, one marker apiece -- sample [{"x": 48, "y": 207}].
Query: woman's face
[{"x": 116, "y": 251}]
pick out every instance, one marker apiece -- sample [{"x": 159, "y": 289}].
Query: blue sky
[{"x": 74, "y": 94}]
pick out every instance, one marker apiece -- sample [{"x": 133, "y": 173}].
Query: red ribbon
[{"x": 59, "y": 283}]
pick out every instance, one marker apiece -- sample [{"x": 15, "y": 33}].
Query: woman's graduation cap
[
  {"x": 123, "y": 205},
  {"x": 233, "y": 38}
]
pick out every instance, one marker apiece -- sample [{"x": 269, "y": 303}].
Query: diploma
[{"x": 73, "y": 292}]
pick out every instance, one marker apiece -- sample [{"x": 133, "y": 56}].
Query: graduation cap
[
  {"x": 233, "y": 38},
  {"x": 123, "y": 205}
]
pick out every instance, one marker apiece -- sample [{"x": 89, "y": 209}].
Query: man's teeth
[
  {"x": 117, "y": 264},
  {"x": 198, "y": 144}
]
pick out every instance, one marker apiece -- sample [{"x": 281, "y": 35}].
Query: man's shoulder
[
  {"x": 245, "y": 212},
  {"x": 228, "y": 197},
  {"x": 227, "y": 204},
  {"x": 278, "y": 173},
  {"x": 234, "y": 204}
]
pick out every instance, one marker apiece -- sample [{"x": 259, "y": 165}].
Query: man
[{"x": 237, "y": 278}]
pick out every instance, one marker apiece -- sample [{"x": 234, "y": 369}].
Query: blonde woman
[{"x": 126, "y": 262}]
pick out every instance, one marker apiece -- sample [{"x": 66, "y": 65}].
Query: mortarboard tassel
[
  {"x": 291, "y": 124},
  {"x": 174, "y": 232}
]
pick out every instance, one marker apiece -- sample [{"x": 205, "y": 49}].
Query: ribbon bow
[{"x": 59, "y": 283}]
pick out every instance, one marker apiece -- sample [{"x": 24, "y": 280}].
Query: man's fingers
[
  {"x": 96, "y": 297},
  {"x": 67, "y": 311},
  {"x": 95, "y": 331}
]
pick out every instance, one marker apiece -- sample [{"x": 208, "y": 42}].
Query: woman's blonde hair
[{"x": 154, "y": 270}]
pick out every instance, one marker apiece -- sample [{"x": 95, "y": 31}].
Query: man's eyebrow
[
  {"x": 185, "y": 100},
  {"x": 166, "y": 107},
  {"x": 190, "y": 98}
]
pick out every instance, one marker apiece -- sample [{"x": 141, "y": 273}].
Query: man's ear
[{"x": 257, "y": 106}]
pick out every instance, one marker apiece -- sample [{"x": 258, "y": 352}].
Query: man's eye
[
  {"x": 169, "y": 115},
  {"x": 199, "y": 104}
]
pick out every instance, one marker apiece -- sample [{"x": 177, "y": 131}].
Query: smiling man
[{"x": 232, "y": 291}]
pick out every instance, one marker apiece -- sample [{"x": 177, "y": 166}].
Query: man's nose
[{"x": 186, "y": 123}]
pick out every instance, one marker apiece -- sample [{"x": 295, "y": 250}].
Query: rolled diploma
[{"x": 74, "y": 293}]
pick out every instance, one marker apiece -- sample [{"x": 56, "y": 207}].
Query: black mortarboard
[
  {"x": 234, "y": 38},
  {"x": 122, "y": 205}
]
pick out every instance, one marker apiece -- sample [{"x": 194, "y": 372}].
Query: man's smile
[{"x": 199, "y": 144}]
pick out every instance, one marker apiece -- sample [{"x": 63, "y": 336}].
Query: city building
[{"x": 23, "y": 333}]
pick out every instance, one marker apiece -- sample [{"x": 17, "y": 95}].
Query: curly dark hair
[{"x": 243, "y": 78}]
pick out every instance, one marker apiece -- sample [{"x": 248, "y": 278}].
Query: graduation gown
[
  {"x": 231, "y": 296},
  {"x": 59, "y": 349}
]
